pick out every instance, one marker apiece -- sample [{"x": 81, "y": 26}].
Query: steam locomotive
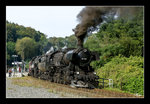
[{"x": 70, "y": 66}]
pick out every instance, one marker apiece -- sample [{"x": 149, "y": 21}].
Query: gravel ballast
[{"x": 15, "y": 91}]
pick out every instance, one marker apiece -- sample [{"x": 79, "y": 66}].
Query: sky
[{"x": 53, "y": 21}]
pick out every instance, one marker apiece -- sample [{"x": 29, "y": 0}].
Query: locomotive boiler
[{"x": 70, "y": 66}]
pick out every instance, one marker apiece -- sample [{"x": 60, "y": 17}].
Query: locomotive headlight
[
  {"x": 94, "y": 72},
  {"x": 77, "y": 72}
]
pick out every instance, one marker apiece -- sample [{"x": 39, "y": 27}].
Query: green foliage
[
  {"x": 15, "y": 32},
  {"x": 131, "y": 47},
  {"x": 10, "y": 47},
  {"x": 129, "y": 34},
  {"x": 43, "y": 45},
  {"x": 127, "y": 73},
  {"x": 11, "y": 32},
  {"x": 92, "y": 43},
  {"x": 26, "y": 47},
  {"x": 69, "y": 42},
  {"x": 120, "y": 43},
  {"x": 10, "y": 51},
  {"x": 39, "y": 45},
  {"x": 117, "y": 36},
  {"x": 57, "y": 43},
  {"x": 27, "y": 64}
]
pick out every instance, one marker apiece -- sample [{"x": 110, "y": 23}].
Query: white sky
[{"x": 55, "y": 21}]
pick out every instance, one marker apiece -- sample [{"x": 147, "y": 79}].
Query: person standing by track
[{"x": 10, "y": 71}]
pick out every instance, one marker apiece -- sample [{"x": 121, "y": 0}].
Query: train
[{"x": 70, "y": 66}]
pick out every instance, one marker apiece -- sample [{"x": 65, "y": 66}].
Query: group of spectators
[{"x": 12, "y": 70}]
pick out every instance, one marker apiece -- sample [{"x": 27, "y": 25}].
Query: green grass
[{"x": 117, "y": 90}]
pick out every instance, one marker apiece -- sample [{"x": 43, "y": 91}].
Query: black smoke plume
[{"x": 90, "y": 17}]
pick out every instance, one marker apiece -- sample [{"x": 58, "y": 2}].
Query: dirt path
[{"x": 15, "y": 91}]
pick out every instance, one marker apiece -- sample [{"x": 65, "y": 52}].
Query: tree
[
  {"x": 71, "y": 41},
  {"x": 11, "y": 32},
  {"x": 26, "y": 47},
  {"x": 10, "y": 51},
  {"x": 118, "y": 36},
  {"x": 92, "y": 43},
  {"x": 17, "y": 32},
  {"x": 42, "y": 44}
]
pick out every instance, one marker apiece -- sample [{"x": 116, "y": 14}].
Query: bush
[{"x": 127, "y": 73}]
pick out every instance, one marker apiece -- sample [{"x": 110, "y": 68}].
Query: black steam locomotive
[{"x": 69, "y": 66}]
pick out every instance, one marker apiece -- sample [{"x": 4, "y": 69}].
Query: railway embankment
[{"x": 29, "y": 87}]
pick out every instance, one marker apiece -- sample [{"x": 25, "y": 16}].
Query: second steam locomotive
[{"x": 70, "y": 66}]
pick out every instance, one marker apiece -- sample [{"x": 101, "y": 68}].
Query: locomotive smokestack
[{"x": 80, "y": 38}]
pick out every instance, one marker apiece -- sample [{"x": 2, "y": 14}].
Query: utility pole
[
  {"x": 14, "y": 62},
  {"x": 22, "y": 62}
]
